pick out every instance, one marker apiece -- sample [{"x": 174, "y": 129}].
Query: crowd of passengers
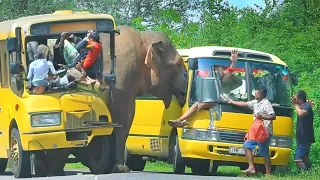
[{"x": 79, "y": 57}]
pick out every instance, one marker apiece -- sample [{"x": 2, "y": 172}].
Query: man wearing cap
[
  {"x": 39, "y": 69},
  {"x": 94, "y": 45},
  {"x": 73, "y": 57}
]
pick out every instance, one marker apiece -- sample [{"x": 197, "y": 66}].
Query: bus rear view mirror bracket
[
  {"x": 12, "y": 45},
  {"x": 192, "y": 63},
  {"x": 294, "y": 79}
]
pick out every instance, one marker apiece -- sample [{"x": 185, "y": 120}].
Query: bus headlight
[
  {"x": 45, "y": 119},
  {"x": 281, "y": 141},
  {"x": 200, "y": 134}
]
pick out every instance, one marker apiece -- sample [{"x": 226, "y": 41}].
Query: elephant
[{"x": 147, "y": 62}]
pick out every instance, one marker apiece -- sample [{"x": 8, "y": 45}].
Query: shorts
[
  {"x": 75, "y": 73},
  {"x": 302, "y": 151},
  {"x": 37, "y": 83},
  {"x": 263, "y": 147}
]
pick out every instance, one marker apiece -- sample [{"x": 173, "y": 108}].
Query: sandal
[{"x": 177, "y": 123}]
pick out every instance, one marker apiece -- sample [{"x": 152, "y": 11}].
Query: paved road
[{"x": 84, "y": 175}]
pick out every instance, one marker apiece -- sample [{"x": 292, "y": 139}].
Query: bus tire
[
  {"x": 178, "y": 161},
  {"x": 3, "y": 165},
  {"x": 19, "y": 159},
  {"x": 101, "y": 154},
  {"x": 135, "y": 162}
]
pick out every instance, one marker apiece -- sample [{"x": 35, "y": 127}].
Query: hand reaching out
[
  {"x": 234, "y": 55},
  {"x": 310, "y": 102}
]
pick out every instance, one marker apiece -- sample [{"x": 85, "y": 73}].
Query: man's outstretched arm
[{"x": 239, "y": 103}]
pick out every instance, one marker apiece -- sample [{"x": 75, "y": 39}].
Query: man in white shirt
[
  {"x": 262, "y": 109},
  {"x": 39, "y": 69}
]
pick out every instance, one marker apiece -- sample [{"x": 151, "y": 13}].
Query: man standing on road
[
  {"x": 262, "y": 109},
  {"x": 304, "y": 130}
]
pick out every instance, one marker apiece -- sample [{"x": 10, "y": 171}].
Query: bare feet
[
  {"x": 249, "y": 171},
  {"x": 178, "y": 123}
]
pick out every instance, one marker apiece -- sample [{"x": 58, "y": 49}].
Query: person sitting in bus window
[
  {"x": 71, "y": 52},
  {"x": 71, "y": 55},
  {"x": 67, "y": 45},
  {"x": 225, "y": 79},
  {"x": 94, "y": 46},
  {"x": 39, "y": 69}
]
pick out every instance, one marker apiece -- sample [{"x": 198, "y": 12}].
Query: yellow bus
[
  {"x": 39, "y": 132},
  {"x": 214, "y": 137}
]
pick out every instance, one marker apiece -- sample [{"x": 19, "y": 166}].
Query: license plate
[
  {"x": 240, "y": 151},
  {"x": 236, "y": 150}
]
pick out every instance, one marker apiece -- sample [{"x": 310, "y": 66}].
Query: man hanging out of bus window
[
  {"x": 226, "y": 78},
  {"x": 75, "y": 72},
  {"x": 262, "y": 110},
  {"x": 304, "y": 128},
  {"x": 39, "y": 69},
  {"x": 71, "y": 54},
  {"x": 93, "y": 45}
]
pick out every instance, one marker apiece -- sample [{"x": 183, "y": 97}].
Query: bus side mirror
[
  {"x": 12, "y": 45},
  {"x": 192, "y": 64},
  {"x": 294, "y": 79},
  {"x": 14, "y": 68},
  {"x": 117, "y": 32}
]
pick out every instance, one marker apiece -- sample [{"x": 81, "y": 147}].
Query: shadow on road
[
  {"x": 218, "y": 174},
  {"x": 66, "y": 173},
  {"x": 6, "y": 174}
]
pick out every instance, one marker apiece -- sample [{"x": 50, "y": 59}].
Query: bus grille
[
  {"x": 233, "y": 137},
  {"x": 74, "y": 122}
]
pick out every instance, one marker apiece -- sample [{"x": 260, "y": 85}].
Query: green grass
[{"x": 224, "y": 171}]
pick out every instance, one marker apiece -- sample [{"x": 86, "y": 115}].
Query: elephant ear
[{"x": 154, "y": 56}]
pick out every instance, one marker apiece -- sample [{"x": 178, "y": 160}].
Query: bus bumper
[
  {"x": 46, "y": 140},
  {"x": 219, "y": 151}
]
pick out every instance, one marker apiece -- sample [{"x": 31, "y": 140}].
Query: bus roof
[
  {"x": 183, "y": 52},
  {"x": 9, "y": 26},
  {"x": 213, "y": 51}
]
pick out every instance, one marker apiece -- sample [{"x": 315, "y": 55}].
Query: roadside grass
[{"x": 225, "y": 171}]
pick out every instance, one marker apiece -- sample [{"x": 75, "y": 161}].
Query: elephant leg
[{"x": 124, "y": 116}]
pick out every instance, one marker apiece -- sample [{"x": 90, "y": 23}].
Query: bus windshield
[
  {"x": 65, "y": 78},
  {"x": 247, "y": 77}
]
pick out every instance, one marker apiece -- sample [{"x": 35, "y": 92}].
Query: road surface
[{"x": 85, "y": 175}]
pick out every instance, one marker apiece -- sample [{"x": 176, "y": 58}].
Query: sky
[
  {"x": 244, "y": 3},
  {"x": 239, "y": 4}
]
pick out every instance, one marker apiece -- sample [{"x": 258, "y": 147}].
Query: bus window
[
  {"x": 235, "y": 87},
  {"x": 275, "y": 79}
]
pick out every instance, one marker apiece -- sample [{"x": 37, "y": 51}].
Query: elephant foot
[{"x": 119, "y": 168}]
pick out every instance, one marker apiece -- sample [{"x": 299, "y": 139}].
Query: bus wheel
[
  {"x": 19, "y": 159},
  {"x": 3, "y": 165},
  {"x": 135, "y": 162},
  {"x": 101, "y": 154},
  {"x": 178, "y": 162}
]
